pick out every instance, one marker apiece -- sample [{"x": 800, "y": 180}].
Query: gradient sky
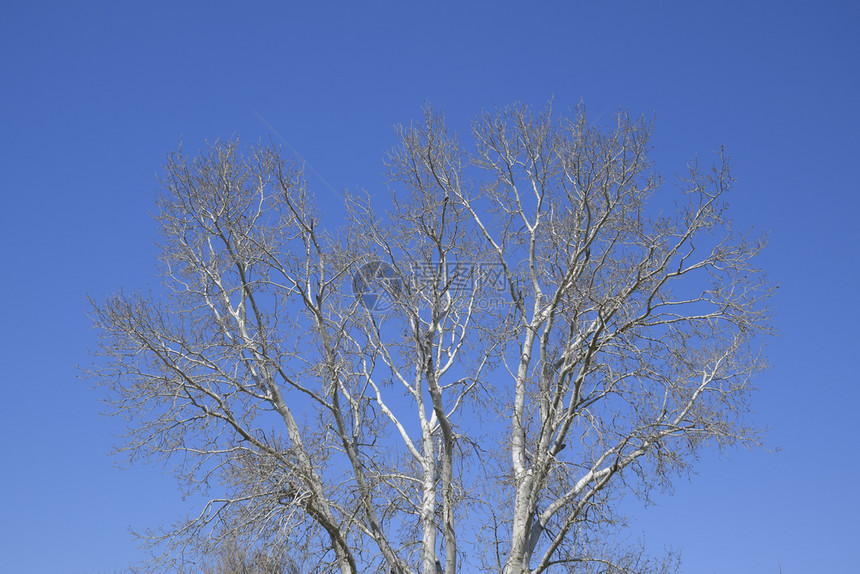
[{"x": 93, "y": 98}]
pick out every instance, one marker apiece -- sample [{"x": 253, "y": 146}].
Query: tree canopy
[{"x": 467, "y": 377}]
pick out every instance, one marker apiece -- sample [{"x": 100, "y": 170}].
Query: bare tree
[{"x": 467, "y": 381}]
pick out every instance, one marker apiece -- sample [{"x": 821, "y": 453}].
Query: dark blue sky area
[{"x": 92, "y": 99}]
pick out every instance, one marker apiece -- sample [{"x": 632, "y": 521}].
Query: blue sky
[{"x": 93, "y": 97}]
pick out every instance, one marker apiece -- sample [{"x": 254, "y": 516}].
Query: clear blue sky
[{"x": 92, "y": 99}]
